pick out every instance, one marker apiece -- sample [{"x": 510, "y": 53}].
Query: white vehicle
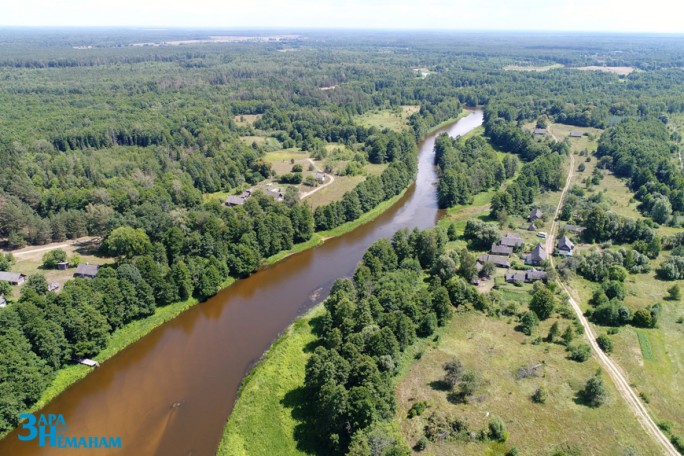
[{"x": 542, "y": 234}]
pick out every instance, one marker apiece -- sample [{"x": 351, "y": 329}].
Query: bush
[
  {"x": 605, "y": 343},
  {"x": 528, "y": 321},
  {"x": 642, "y": 318},
  {"x": 678, "y": 442},
  {"x": 422, "y": 444},
  {"x": 540, "y": 395},
  {"x": 594, "y": 393},
  {"x": 497, "y": 429},
  {"x": 297, "y": 168},
  {"x": 580, "y": 353},
  {"x": 51, "y": 258},
  {"x": 417, "y": 409}
]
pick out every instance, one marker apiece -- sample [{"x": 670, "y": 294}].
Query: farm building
[
  {"x": 320, "y": 177},
  {"x": 274, "y": 193},
  {"x": 576, "y": 134},
  {"x": 63, "y": 265},
  {"x": 539, "y": 131},
  {"x": 526, "y": 276},
  {"x": 574, "y": 229},
  {"x": 511, "y": 240},
  {"x": 14, "y": 278}
]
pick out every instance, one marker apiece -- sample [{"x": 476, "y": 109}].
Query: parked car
[{"x": 542, "y": 234}]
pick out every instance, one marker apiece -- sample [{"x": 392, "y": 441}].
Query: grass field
[
  {"x": 396, "y": 120},
  {"x": 620, "y": 71},
  {"x": 245, "y": 120},
  {"x": 496, "y": 351},
  {"x": 533, "y": 68}
]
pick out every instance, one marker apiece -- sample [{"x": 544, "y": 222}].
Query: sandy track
[{"x": 614, "y": 371}]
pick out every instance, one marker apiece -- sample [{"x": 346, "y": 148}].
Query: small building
[
  {"x": 565, "y": 246},
  {"x": 501, "y": 249},
  {"x": 320, "y": 177},
  {"x": 89, "y": 362},
  {"x": 540, "y": 131},
  {"x": 574, "y": 229},
  {"x": 234, "y": 200},
  {"x": 14, "y": 278},
  {"x": 534, "y": 215},
  {"x": 86, "y": 271},
  {"x": 54, "y": 286},
  {"x": 63, "y": 265},
  {"x": 246, "y": 194},
  {"x": 498, "y": 261},
  {"x": 518, "y": 276},
  {"x": 576, "y": 134},
  {"x": 274, "y": 193},
  {"x": 537, "y": 256},
  {"x": 3, "y": 302},
  {"x": 532, "y": 227},
  {"x": 511, "y": 240},
  {"x": 533, "y": 275}
]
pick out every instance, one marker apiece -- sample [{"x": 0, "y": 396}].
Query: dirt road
[
  {"x": 613, "y": 370},
  {"x": 332, "y": 179}
]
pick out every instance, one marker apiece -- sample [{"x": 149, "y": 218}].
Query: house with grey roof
[
  {"x": 501, "y": 249},
  {"x": 576, "y": 134},
  {"x": 234, "y": 200},
  {"x": 565, "y": 246},
  {"x": 574, "y": 229},
  {"x": 320, "y": 177},
  {"x": 526, "y": 276},
  {"x": 534, "y": 215},
  {"x": 274, "y": 193},
  {"x": 86, "y": 271},
  {"x": 14, "y": 278},
  {"x": 511, "y": 240},
  {"x": 499, "y": 261},
  {"x": 537, "y": 256},
  {"x": 540, "y": 131}
]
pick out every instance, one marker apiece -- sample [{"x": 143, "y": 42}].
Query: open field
[
  {"x": 537, "y": 69},
  {"x": 496, "y": 351},
  {"x": 621, "y": 71},
  {"x": 396, "y": 120},
  {"x": 245, "y": 120}
]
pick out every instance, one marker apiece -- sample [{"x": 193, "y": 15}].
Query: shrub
[
  {"x": 594, "y": 393},
  {"x": 678, "y": 442},
  {"x": 497, "y": 429},
  {"x": 297, "y": 168},
  {"x": 417, "y": 409},
  {"x": 605, "y": 343},
  {"x": 528, "y": 321},
  {"x": 540, "y": 395},
  {"x": 51, "y": 258},
  {"x": 421, "y": 444},
  {"x": 580, "y": 353}
]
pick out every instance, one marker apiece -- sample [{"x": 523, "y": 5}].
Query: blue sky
[{"x": 558, "y": 15}]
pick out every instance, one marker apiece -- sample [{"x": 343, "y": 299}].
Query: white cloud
[{"x": 581, "y": 15}]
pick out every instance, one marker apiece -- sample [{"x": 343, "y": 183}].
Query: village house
[
  {"x": 14, "y": 278},
  {"x": 532, "y": 227},
  {"x": 511, "y": 240},
  {"x": 63, "y": 265},
  {"x": 320, "y": 177},
  {"x": 86, "y": 271},
  {"x": 565, "y": 246},
  {"x": 537, "y": 256},
  {"x": 526, "y": 276},
  {"x": 539, "y": 131},
  {"x": 501, "y": 249},
  {"x": 498, "y": 261},
  {"x": 534, "y": 215},
  {"x": 575, "y": 134},
  {"x": 238, "y": 200}
]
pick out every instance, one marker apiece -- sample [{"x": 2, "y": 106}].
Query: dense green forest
[{"x": 99, "y": 137}]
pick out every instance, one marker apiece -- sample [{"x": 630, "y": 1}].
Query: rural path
[
  {"x": 332, "y": 179},
  {"x": 614, "y": 371},
  {"x": 30, "y": 250}
]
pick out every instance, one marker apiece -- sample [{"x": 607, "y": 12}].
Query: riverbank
[{"x": 136, "y": 330}]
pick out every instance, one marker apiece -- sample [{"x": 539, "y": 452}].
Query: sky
[{"x": 661, "y": 16}]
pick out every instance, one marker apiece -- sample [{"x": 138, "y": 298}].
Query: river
[{"x": 171, "y": 392}]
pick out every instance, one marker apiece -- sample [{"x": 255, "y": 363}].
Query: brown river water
[{"x": 171, "y": 392}]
